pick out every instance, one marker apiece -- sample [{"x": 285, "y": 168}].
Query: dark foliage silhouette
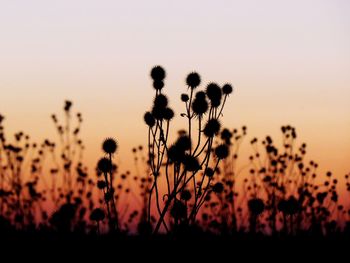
[
  {"x": 195, "y": 184},
  {"x": 181, "y": 164}
]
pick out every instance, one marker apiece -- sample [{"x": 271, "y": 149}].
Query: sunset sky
[{"x": 289, "y": 62}]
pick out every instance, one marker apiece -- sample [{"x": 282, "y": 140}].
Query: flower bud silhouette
[
  {"x": 226, "y": 135},
  {"x": 158, "y": 84},
  {"x": 214, "y": 94},
  {"x": 191, "y": 163},
  {"x": 158, "y": 112},
  {"x": 212, "y": 128},
  {"x": 183, "y": 143},
  {"x": 158, "y": 73},
  {"x": 160, "y": 101},
  {"x": 193, "y": 80},
  {"x": 168, "y": 114},
  {"x": 227, "y": 89},
  {"x": 200, "y": 104},
  {"x": 184, "y": 97},
  {"x": 175, "y": 154},
  {"x": 149, "y": 119},
  {"x": 104, "y": 165},
  {"x": 222, "y": 151},
  {"x": 109, "y": 146},
  {"x": 209, "y": 172}
]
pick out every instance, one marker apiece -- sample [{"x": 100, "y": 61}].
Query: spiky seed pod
[
  {"x": 184, "y": 97},
  {"x": 200, "y": 95},
  {"x": 158, "y": 84},
  {"x": 104, "y": 165},
  {"x": 109, "y": 146},
  {"x": 209, "y": 172},
  {"x": 160, "y": 101},
  {"x": 149, "y": 119},
  {"x": 168, "y": 114},
  {"x": 175, "y": 154},
  {"x": 193, "y": 80},
  {"x": 191, "y": 163},
  {"x": 214, "y": 94},
  {"x": 183, "y": 143},
  {"x": 212, "y": 128},
  {"x": 200, "y": 105},
  {"x": 226, "y": 134},
  {"x": 227, "y": 89},
  {"x": 222, "y": 151},
  {"x": 158, "y": 113},
  {"x": 158, "y": 73}
]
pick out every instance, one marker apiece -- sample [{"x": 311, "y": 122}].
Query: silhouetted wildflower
[
  {"x": 184, "y": 97},
  {"x": 158, "y": 84},
  {"x": 226, "y": 135},
  {"x": 160, "y": 101},
  {"x": 158, "y": 113},
  {"x": 222, "y": 151},
  {"x": 212, "y": 128},
  {"x": 214, "y": 94},
  {"x": 200, "y": 104},
  {"x": 209, "y": 172},
  {"x": 191, "y": 163},
  {"x": 157, "y": 73},
  {"x": 227, "y": 89},
  {"x": 109, "y": 146},
  {"x": 104, "y": 165},
  {"x": 193, "y": 80},
  {"x": 183, "y": 143},
  {"x": 168, "y": 114},
  {"x": 175, "y": 154},
  {"x": 149, "y": 119}
]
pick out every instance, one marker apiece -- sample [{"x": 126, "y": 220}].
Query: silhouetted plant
[
  {"x": 193, "y": 184},
  {"x": 144, "y": 183},
  {"x": 97, "y": 215},
  {"x": 105, "y": 166},
  {"x": 281, "y": 191},
  {"x": 20, "y": 199},
  {"x": 220, "y": 209},
  {"x": 74, "y": 188},
  {"x": 181, "y": 162}
]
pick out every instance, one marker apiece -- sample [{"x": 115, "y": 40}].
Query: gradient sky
[{"x": 289, "y": 62}]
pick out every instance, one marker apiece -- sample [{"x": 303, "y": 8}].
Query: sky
[{"x": 288, "y": 61}]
